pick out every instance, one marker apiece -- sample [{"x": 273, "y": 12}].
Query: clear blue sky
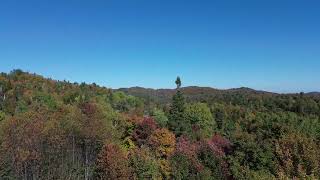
[{"x": 263, "y": 44}]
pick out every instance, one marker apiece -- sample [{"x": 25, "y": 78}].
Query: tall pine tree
[{"x": 177, "y": 121}]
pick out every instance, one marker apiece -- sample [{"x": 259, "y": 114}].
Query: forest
[{"x": 59, "y": 130}]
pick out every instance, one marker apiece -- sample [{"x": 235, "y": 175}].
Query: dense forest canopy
[{"x": 60, "y": 130}]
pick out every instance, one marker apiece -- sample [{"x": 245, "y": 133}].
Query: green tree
[
  {"x": 178, "y": 82},
  {"x": 2, "y": 116},
  {"x": 219, "y": 113},
  {"x": 182, "y": 167},
  {"x": 160, "y": 117},
  {"x": 177, "y": 121},
  {"x": 143, "y": 164},
  {"x": 201, "y": 119}
]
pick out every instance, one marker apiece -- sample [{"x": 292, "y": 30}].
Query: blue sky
[{"x": 271, "y": 45}]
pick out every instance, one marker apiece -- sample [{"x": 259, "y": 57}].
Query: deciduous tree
[{"x": 113, "y": 163}]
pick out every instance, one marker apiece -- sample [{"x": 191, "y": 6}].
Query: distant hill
[
  {"x": 190, "y": 92},
  {"x": 245, "y": 97},
  {"x": 313, "y": 94}
]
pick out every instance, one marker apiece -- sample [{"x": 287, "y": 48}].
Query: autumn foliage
[
  {"x": 163, "y": 142},
  {"x": 60, "y": 130},
  {"x": 143, "y": 131},
  {"x": 112, "y": 163}
]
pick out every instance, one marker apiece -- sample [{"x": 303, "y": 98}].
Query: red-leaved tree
[
  {"x": 143, "y": 130},
  {"x": 112, "y": 163}
]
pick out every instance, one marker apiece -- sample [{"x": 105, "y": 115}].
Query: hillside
[
  {"x": 191, "y": 92},
  {"x": 238, "y": 96},
  {"x": 53, "y": 129}
]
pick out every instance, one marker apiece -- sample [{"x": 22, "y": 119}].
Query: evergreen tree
[
  {"x": 177, "y": 121},
  {"x": 178, "y": 82}
]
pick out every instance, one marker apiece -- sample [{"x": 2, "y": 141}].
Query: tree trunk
[{"x": 86, "y": 164}]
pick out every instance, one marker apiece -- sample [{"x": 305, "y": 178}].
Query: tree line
[{"x": 60, "y": 130}]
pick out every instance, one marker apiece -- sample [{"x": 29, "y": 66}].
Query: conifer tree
[{"x": 177, "y": 122}]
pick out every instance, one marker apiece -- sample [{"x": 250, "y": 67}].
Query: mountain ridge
[
  {"x": 209, "y": 94},
  {"x": 212, "y": 88}
]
